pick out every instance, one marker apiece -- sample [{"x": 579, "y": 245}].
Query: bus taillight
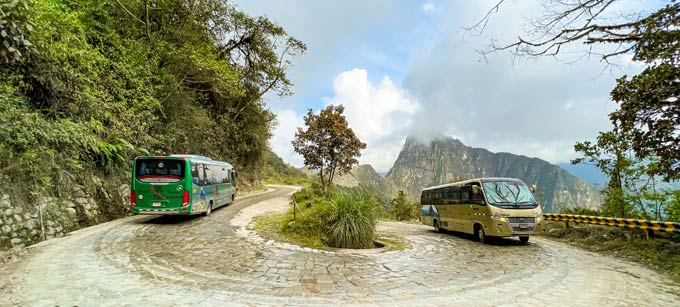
[
  {"x": 133, "y": 199},
  {"x": 185, "y": 200}
]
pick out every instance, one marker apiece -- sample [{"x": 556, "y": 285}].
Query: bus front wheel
[
  {"x": 523, "y": 240},
  {"x": 479, "y": 233}
]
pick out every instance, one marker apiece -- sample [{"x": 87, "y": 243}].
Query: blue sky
[{"x": 408, "y": 68}]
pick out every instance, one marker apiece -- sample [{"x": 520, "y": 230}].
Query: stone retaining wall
[{"x": 23, "y": 224}]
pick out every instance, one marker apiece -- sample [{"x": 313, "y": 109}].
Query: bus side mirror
[{"x": 533, "y": 188}]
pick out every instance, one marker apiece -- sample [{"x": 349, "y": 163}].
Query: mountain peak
[{"x": 441, "y": 159}]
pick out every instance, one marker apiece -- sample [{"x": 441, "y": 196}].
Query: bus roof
[
  {"x": 471, "y": 180},
  {"x": 194, "y": 158}
]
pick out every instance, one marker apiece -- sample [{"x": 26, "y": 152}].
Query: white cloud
[
  {"x": 283, "y": 134},
  {"x": 428, "y": 7},
  {"x": 379, "y": 114},
  {"x": 538, "y": 107}
]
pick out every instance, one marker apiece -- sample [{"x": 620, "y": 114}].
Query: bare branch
[
  {"x": 569, "y": 21},
  {"x": 481, "y": 25}
]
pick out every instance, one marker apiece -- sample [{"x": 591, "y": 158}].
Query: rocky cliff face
[{"x": 448, "y": 160}]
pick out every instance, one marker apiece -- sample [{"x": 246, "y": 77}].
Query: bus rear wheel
[
  {"x": 479, "y": 234},
  {"x": 436, "y": 226},
  {"x": 523, "y": 240},
  {"x": 208, "y": 210}
]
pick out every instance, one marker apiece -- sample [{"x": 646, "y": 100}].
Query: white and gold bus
[{"x": 485, "y": 207}]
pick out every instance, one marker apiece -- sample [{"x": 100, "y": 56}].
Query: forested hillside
[
  {"x": 86, "y": 85},
  {"x": 107, "y": 80}
]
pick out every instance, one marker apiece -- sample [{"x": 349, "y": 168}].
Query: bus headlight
[
  {"x": 498, "y": 217},
  {"x": 539, "y": 217}
]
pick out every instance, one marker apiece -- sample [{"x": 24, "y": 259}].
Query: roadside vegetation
[
  {"x": 331, "y": 217},
  {"x": 86, "y": 85},
  {"x": 640, "y": 152},
  {"x": 276, "y": 171},
  {"x": 401, "y": 209},
  {"x": 661, "y": 253}
]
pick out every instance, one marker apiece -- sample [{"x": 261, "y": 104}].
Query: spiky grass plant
[{"x": 352, "y": 219}]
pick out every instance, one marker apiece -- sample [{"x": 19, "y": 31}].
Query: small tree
[
  {"x": 402, "y": 209},
  {"x": 328, "y": 144},
  {"x": 631, "y": 188}
]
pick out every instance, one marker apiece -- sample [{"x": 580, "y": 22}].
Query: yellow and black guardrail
[{"x": 650, "y": 226}]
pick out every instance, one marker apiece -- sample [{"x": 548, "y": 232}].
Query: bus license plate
[
  {"x": 156, "y": 204},
  {"x": 523, "y": 225}
]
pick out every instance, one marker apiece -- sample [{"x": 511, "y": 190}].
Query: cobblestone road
[{"x": 216, "y": 261}]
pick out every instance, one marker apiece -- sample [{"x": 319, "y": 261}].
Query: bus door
[
  {"x": 474, "y": 209},
  {"x": 466, "y": 209}
]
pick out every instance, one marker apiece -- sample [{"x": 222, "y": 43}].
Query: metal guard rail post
[{"x": 654, "y": 226}]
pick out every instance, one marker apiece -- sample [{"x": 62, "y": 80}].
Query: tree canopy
[
  {"x": 97, "y": 82},
  {"x": 328, "y": 144}
]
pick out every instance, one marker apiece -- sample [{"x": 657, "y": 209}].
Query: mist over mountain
[
  {"x": 589, "y": 173},
  {"x": 443, "y": 160}
]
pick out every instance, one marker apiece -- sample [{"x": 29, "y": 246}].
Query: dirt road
[{"x": 216, "y": 261}]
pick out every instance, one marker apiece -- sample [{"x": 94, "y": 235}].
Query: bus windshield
[
  {"x": 509, "y": 194},
  {"x": 159, "y": 170}
]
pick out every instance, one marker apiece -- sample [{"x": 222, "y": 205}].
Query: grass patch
[
  {"x": 275, "y": 227},
  {"x": 394, "y": 243},
  {"x": 661, "y": 253},
  {"x": 335, "y": 218}
]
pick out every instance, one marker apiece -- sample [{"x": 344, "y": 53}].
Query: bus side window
[
  {"x": 455, "y": 195},
  {"x": 209, "y": 176},
  {"x": 194, "y": 173},
  {"x": 441, "y": 195},
  {"x": 465, "y": 194},
  {"x": 227, "y": 178},
  {"x": 201, "y": 174}
]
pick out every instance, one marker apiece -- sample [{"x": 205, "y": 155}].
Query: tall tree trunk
[
  {"x": 323, "y": 184},
  {"x": 616, "y": 183}
]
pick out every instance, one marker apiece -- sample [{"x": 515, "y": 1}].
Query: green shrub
[
  {"x": 402, "y": 209},
  {"x": 336, "y": 217},
  {"x": 351, "y": 220}
]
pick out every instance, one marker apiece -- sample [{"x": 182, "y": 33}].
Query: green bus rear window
[{"x": 159, "y": 170}]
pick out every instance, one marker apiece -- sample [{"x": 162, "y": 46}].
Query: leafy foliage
[
  {"x": 15, "y": 27},
  {"x": 645, "y": 139},
  {"x": 275, "y": 170},
  {"x": 649, "y": 106},
  {"x": 402, "y": 209},
  {"x": 328, "y": 144},
  {"x": 115, "y": 79},
  {"x": 632, "y": 191}
]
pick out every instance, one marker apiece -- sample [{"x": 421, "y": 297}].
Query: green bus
[{"x": 181, "y": 184}]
